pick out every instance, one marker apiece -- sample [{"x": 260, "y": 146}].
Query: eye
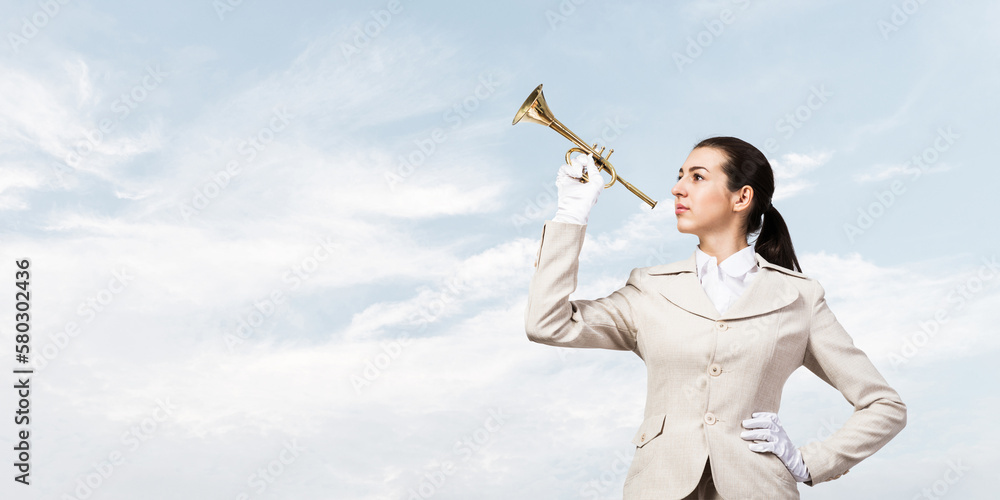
[{"x": 696, "y": 176}]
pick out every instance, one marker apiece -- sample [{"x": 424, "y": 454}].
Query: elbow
[
  {"x": 896, "y": 413},
  {"x": 535, "y": 336},
  {"x": 902, "y": 415},
  {"x": 534, "y": 325},
  {"x": 539, "y": 330},
  {"x": 900, "y": 406},
  {"x": 899, "y": 422},
  {"x": 532, "y": 331},
  {"x": 535, "y": 332}
]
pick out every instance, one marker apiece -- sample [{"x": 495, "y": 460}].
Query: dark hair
[{"x": 745, "y": 165}]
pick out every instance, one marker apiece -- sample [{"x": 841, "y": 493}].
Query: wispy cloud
[
  {"x": 789, "y": 170},
  {"x": 281, "y": 243},
  {"x": 886, "y": 172}
]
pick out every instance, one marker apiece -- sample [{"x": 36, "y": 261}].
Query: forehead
[{"x": 710, "y": 158}]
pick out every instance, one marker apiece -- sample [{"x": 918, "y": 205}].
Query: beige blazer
[{"x": 709, "y": 371}]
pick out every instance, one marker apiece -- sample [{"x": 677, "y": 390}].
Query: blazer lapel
[{"x": 769, "y": 290}]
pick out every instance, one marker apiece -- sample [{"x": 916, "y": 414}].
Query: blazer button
[
  {"x": 722, "y": 326},
  {"x": 715, "y": 370},
  {"x": 643, "y": 437},
  {"x": 709, "y": 418}
]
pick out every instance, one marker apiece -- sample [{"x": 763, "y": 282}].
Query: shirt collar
[{"x": 736, "y": 265}]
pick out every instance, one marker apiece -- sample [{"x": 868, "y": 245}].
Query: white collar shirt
[{"x": 725, "y": 282}]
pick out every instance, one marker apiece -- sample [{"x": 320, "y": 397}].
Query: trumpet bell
[{"x": 535, "y": 110}]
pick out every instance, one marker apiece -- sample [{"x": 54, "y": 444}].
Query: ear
[{"x": 742, "y": 199}]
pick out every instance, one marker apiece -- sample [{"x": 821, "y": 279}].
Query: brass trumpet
[{"x": 535, "y": 110}]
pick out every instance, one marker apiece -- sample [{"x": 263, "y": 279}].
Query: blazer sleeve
[
  {"x": 551, "y": 318},
  {"x": 879, "y": 413}
]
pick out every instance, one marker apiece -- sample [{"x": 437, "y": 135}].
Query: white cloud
[
  {"x": 71, "y": 127},
  {"x": 789, "y": 170},
  {"x": 319, "y": 188},
  {"x": 492, "y": 275},
  {"x": 887, "y": 308},
  {"x": 885, "y": 172},
  {"x": 13, "y": 180},
  {"x": 793, "y": 165}
]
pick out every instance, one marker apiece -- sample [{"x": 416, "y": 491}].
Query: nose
[{"x": 676, "y": 190}]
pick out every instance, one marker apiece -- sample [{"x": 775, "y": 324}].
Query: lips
[{"x": 678, "y": 208}]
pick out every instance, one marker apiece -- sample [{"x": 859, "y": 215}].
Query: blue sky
[{"x": 283, "y": 250}]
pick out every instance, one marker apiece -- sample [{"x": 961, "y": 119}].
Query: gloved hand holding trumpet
[{"x": 536, "y": 110}]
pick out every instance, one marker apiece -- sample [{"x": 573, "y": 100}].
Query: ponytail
[{"x": 774, "y": 243}]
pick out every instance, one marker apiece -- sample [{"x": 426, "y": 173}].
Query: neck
[{"x": 721, "y": 248}]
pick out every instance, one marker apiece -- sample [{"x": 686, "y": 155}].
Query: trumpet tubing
[{"x": 536, "y": 110}]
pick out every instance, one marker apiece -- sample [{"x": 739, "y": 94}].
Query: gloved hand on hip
[
  {"x": 577, "y": 198},
  {"x": 767, "y": 427}
]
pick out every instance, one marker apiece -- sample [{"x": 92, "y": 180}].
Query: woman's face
[{"x": 701, "y": 187}]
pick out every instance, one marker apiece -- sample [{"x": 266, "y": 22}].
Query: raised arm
[
  {"x": 551, "y": 318},
  {"x": 879, "y": 413}
]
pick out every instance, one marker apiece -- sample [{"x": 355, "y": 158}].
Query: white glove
[
  {"x": 768, "y": 428},
  {"x": 577, "y": 198}
]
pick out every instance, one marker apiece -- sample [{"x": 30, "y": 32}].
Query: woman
[{"x": 720, "y": 332}]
